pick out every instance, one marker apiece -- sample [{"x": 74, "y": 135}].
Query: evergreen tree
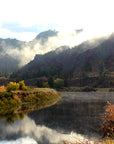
[{"x": 51, "y": 82}]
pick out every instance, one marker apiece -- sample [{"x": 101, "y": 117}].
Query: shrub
[
  {"x": 16, "y": 86},
  {"x": 111, "y": 90},
  {"x": 46, "y": 85},
  {"x": 39, "y": 83},
  {"x": 108, "y": 124},
  {"x": 59, "y": 83},
  {"x": 51, "y": 82},
  {"x": 22, "y": 85},
  {"x": 88, "y": 89},
  {"x": 12, "y": 86},
  {"x": 2, "y": 88}
]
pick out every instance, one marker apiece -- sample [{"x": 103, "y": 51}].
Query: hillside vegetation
[{"x": 78, "y": 66}]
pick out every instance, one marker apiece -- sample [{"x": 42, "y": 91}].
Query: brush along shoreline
[{"x": 34, "y": 95}]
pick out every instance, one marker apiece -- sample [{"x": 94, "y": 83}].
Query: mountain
[
  {"x": 71, "y": 62},
  {"x": 8, "y": 60},
  {"x": 13, "y": 52},
  {"x": 19, "y": 53},
  {"x": 8, "y": 64},
  {"x": 43, "y": 36}
]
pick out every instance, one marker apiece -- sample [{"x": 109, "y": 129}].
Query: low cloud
[
  {"x": 39, "y": 133},
  {"x": 27, "y": 50}
]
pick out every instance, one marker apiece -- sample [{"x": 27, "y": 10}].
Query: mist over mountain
[
  {"x": 15, "y": 54},
  {"x": 71, "y": 62}
]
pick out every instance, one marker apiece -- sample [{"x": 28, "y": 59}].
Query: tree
[
  {"x": 66, "y": 82},
  {"x": 39, "y": 83},
  {"x": 102, "y": 73},
  {"x": 83, "y": 78},
  {"x": 22, "y": 85},
  {"x": 59, "y": 83},
  {"x": 46, "y": 85},
  {"x": 87, "y": 66},
  {"x": 51, "y": 82}
]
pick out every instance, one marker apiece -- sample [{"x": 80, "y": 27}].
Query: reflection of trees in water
[
  {"x": 19, "y": 112},
  {"x": 81, "y": 117}
]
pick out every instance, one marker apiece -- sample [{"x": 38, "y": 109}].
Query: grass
[
  {"x": 78, "y": 89},
  {"x": 16, "y": 97},
  {"x": 103, "y": 90},
  {"x": 86, "y": 89}
]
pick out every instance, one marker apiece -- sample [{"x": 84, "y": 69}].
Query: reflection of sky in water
[
  {"x": 76, "y": 116},
  {"x": 40, "y": 133},
  {"x": 26, "y": 140}
]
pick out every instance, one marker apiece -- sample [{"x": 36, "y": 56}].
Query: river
[{"x": 78, "y": 115}]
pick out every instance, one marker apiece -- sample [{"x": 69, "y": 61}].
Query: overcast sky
[{"x": 24, "y": 19}]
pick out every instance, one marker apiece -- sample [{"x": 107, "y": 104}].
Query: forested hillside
[{"x": 96, "y": 64}]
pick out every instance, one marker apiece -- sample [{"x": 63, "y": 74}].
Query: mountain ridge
[
  {"x": 18, "y": 50},
  {"x": 70, "y": 62}
]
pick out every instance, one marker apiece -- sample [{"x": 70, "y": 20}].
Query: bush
[
  {"x": 39, "y": 83},
  {"x": 46, "y": 85},
  {"x": 16, "y": 86},
  {"x": 108, "y": 124},
  {"x": 88, "y": 89},
  {"x": 2, "y": 88},
  {"x": 111, "y": 90},
  {"x": 50, "y": 82},
  {"x": 22, "y": 85},
  {"x": 12, "y": 86},
  {"x": 59, "y": 83}
]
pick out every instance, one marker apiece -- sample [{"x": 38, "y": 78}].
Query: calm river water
[{"x": 75, "y": 116}]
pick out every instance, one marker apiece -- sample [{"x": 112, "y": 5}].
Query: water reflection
[
  {"x": 26, "y": 140},
  {"x": 81, "y": 117},
  {"x": 42, "y": 134},
  {"x": 74, "y": 117},
  {"x": 19, "y": 112}
]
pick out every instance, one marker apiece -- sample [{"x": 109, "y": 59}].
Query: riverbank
[
  {"x": 86, "y": 89},
  {"x": 34, "y": 95}
]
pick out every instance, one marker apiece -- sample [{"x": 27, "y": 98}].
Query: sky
[{"x": 24, "y": 19}]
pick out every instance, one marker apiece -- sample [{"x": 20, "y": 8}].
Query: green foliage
[
  {"x": 6, "y": 98},
  {"x": 65, "y": 82},
  {"x": 39, "y": 83},
  {"x": 88, "y": 89},
  {"x": 12, "y": 86},
  {"x": 22, "y": 85},
  {"x": 59, "y": 83},
  {"x": 46, "y": 85},
  {"x": 87, "y": 66},
  {"x": 79, "y": 89},
  {"x": 50, "y": 82},
  {"x": 16, "y": 86},
  {"x": 83, "y": 78}
]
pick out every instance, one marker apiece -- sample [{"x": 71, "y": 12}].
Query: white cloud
[
  {"x": 92, "y": 15},
  {"x": 24, "y": 36}
]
